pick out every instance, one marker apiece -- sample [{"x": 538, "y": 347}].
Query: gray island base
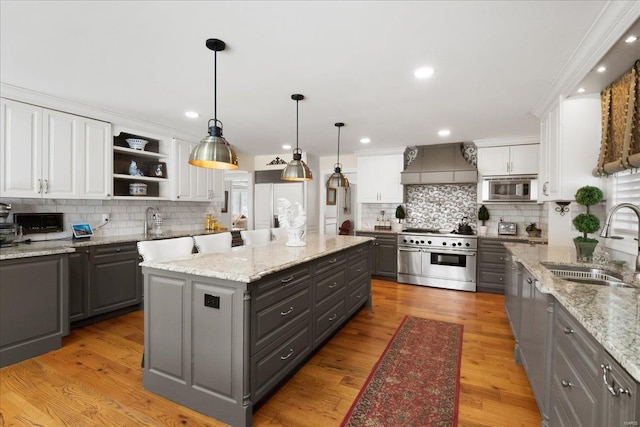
[{"x": 221, "y": 331}]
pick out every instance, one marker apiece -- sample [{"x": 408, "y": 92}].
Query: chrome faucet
[
  {"x": 146, "y": 219},
  {"x": 607, "y": 225}
]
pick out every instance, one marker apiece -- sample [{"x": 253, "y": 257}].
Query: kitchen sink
[{"x": 589, "y": 275}]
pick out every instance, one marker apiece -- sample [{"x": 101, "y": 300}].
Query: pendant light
[
  {"x": 214, "y": 152},
  {"x": 337, "y": 179},
  {"x": 296, "y": 169}
]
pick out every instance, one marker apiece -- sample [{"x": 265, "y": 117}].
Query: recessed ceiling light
[
  {"x": 365, "y": 140},
  {"x": 424, "y": 72},
  {"x": 581, "y": 90},
  {"x": 286, "y": 147},
  {"x": 601, "y": 69},
  {"x": 192, "y": 114},
  {"x": 444, "y": 132},
  {"x": 630, "y": 39}
]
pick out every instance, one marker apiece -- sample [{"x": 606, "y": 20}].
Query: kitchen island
[{"x": 224, "y": 330}]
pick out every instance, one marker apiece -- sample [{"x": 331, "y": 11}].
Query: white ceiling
[{"x": 353, "y": 61}]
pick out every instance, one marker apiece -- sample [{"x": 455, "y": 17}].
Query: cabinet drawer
[
  {"x": 491, "y": 277},
  {"x": 274, "y": 288},
  {"x": 329, "y": 285},
  {"x": 359, "y": 251},
  {"x": 575, "y": 340},
  {"x": 99, "y": 251},
  {"x": 329, "y": 320},
  {"x": 357, "y": 296},
  {"x": 275, "y": 320},
  {"x": 492, "y": 257},
  {"x": 271, "y": 366},
  {"x": 358, "y": 268},
  {"x": 579, "y": 394},
  {"x": 330, "y": 262}
]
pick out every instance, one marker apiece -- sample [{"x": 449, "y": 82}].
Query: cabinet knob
[
  {"x": 567, "y": 330},
  {"x": 500, "y": 278},
  {"x": 566, "y": 383},
  {"x": 529, "y": 280}
]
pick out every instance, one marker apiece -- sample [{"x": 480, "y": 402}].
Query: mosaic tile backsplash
[{"x": 440, "y": 206}]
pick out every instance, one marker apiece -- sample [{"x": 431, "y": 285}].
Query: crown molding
[
  {"x": 613, "y": 21},
  {"x": 499, "y": 142},
  {"x": 380, "y": 151}
]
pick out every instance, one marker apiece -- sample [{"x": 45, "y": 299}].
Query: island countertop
[
  {"x": 250, "y": 263},
  {"x": 610, "y": 314}
]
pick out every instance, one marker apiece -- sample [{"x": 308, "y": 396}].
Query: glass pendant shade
[
  {"x": 296, "y": 169},
  {"x": 213, "y": 151},
  {"x": 336, "y": 179}
]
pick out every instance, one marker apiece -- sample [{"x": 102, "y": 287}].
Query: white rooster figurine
[{"x": 293, "y": 220}]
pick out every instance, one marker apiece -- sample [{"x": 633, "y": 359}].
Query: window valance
[{"x": 620, "y": 146}]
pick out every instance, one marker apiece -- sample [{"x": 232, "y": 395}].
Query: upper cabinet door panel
[
  {"x": 61, "y": 162},
  {"x": 98, "y": 160},
  {"x": 21, "y": 150},
  {"x": 493, "y": 161},
  {"x": 524, "y": 159}
]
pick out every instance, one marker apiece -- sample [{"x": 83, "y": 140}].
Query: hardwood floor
[{"x": 95, "y": 378}]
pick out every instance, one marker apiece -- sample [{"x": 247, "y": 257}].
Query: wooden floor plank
[{"x": 95, "y": 379}]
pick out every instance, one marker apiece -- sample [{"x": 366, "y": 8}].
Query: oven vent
[{"x": 440, "y": 164}]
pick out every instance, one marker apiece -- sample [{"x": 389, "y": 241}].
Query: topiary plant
[
  {"x": 400, "y": 214},
  {"x": 483, "y": 214},
  {"x": 586, "y": 223}
]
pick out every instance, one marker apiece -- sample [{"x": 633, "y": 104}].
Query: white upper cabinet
[
  {"x": 51, "y": 154},
  {"x": 570, "y": 136},
  {"x": 379, "y": 178},
  {"x": 193, "y": 183},
  {"x": 508, "y": 160}
]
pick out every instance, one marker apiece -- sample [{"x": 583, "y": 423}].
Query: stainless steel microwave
[{"x": 510, "y": 189}]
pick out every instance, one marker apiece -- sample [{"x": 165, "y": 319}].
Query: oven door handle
[
  {"x": 452, "y": 252},
  {"x": 403, "y": 249}
]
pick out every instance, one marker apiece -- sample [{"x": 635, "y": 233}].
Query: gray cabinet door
[
  {"x": 114, "y": 278},
  {"x": 512, "y": 301},
  {"x": 386, "y": 258},
  {"x": 78, "y": 285},
  {"x": 621, "y": 403}
]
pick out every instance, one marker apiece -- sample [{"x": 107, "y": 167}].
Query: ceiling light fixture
[
  {"x": 423, "y": 73},
  {"x": 286, "y": 147},
  {"x": 631, "y": 39},
  {"x": 444, "y": 132},
  {"x": 296, "y": 169},
  {"x": 581, "y": 90},
  {"x": 601, "y": 69},
  {"x": 214, "y": 152},
  {"x": 365, "y": 140},
  {"x": 337, "y": 179},
  {"x": 192, "y": 114}
]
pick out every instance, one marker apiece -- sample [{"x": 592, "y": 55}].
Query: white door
[
  {"x": 98, "y": 159},
  {"x": 21, "y": 150},
  {"x": 262, "y": 206},
  {"x": 389, "y": 169},
  {"x": 368, "y": 179},
  {"x": 61, "y": 155}
]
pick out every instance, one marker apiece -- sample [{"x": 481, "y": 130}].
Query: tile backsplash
[
  {"x": 125, "y": 216},
  {"x": 440, "y": 206},
  {"x": 522, "y": 214}
]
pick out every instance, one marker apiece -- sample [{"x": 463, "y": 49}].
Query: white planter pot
[{"x": 482, "y": 230}]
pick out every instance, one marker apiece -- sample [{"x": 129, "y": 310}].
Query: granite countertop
[
  {"x": 53, "y": 247},
  {"x": 250, "y": 263},
  {"x": 371, "y": 230},
  {"x": 610, "y": 314},
  {"x": 503, "y": 237}
]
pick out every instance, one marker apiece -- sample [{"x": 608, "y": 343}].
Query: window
[{"x": 625, "y": 188}]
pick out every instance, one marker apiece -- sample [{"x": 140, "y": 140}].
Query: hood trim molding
[{"x": 441, "y": 164}]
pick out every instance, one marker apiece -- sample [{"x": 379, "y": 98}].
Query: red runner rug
[{"x": 416, "y": 382}]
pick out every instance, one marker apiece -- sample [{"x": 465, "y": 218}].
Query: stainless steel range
[{"x": 430, "y": 258}]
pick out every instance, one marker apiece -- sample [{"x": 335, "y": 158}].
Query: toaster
[{"x": 509, "y": 228}]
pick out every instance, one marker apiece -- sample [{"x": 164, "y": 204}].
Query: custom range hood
[{"x": 441, "y": 164}]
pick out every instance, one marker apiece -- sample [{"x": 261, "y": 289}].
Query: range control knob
[
  {"x": 411, "y": 240},
  {"x": 459, "y": 244},
  {"x": 467, "y": 244},
  {"x": 422, "y": 242},
  {"x": 404, "y": 240},
  {"x": 429, "y": 242},
  {"x": 444, "y": 243}
]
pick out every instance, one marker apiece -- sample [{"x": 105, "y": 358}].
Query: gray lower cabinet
[
  {"x": 491, "y": 269},
  {"x": 33, "y": 306},
  {"x": 384, "y": 254},
  {"x": 512, "y": 300},
  {"x": 589, "y": 388},
  {"x": 536, "y": 325},
  {"x": 103, "y": 279}
]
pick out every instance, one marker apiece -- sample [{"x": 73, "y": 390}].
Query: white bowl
[{"x": 136, "y": 144}]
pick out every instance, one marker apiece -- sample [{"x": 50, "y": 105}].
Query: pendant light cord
[
  {"x": 215, "y": 88},
  {"x": 338, "y": 144},
  {"x": 297, "y": 123}
]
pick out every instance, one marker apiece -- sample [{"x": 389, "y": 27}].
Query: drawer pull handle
[
  {"x": 359, "y": 295},
  {"x": 287, "y": 280},
  {"x": 612, "y": 387},
  {"x": 529, "y": 280},
  {"x": 334, "y": 285},
  {"x": 285, "y": 313},
  {"x": 507, "y": 258},
  {"x": 334, "y": 317},
  {"x": 358, "y": 270},
  {"x": 567, "y": 330},
  {"x": 566, "y": 383},
  {"x": 288, "y": 355},
  {"x": 333, "y": 261},
  {"x": 501, "y": 259}
]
